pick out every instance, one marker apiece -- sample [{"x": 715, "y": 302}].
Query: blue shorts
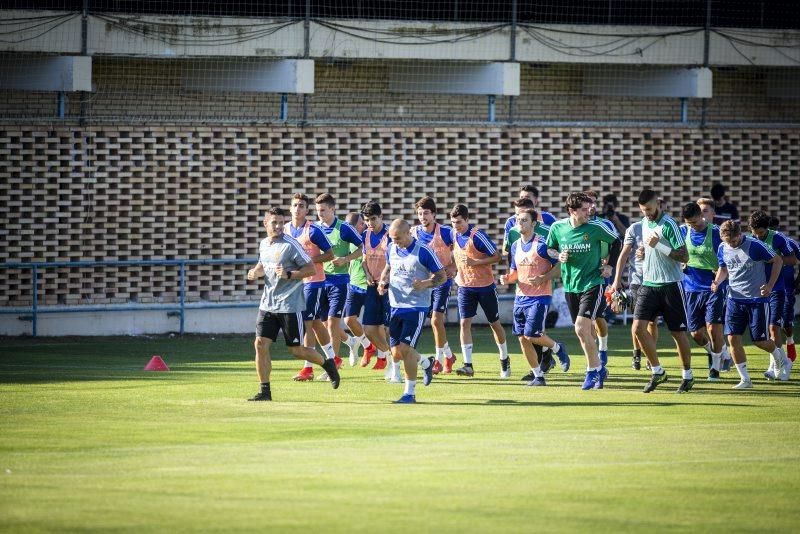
[
  {"x": 440, "y": 296},
  {"x": 469, "y": 299},
  {"x": 405, "y": 327},
  {"x": 788, "y": 308},
  {"x": 354, "y": 301},
  {"x": 741, "y": 315},
  {"x": 529, "y": 320},
  {"x": 376, "y": 308},
  {"x": 313, "y": 297},
  {"x": 704, "y": 307},
  {"x": 777, "y": 301},
  {"x": 332, "y": 301}
]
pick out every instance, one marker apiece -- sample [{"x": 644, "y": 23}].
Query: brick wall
[{"x": 125, "y": 192}]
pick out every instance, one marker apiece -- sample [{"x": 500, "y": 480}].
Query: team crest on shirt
[{"x": 586, "y": 237}]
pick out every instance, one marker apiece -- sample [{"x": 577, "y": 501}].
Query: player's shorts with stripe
[
  {"x": 354, "y": 301},
  {"x": 269, "y": 324},
  {"x": 704, "y": 307},
  {"x": 739, "y": 316},
  {"x": 313, "y": 296},
  {"x": 529, "y": 319},
  {"x": 590, "y": 304},
  {"x": 405, "y": 326},
  {"x": 470, "y": 298},
  {"x": 788, "y": 308},
  {"x": 777, "y": 301},
  {"x": 376, "y": 308},
  {"x": 332, "y": 300},
  {"x": 667, "y": 301},
  {"x": 440, "y": 296}
]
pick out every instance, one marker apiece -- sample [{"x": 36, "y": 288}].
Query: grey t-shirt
[
  {"x": 633, "y": 237},
  {"x": 747, "y": 268},
  {"x": 282, "y": 295}
]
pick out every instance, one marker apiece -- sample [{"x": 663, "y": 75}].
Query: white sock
[
  {"x": 328, "y": 350},
  {"x": 725, "y": 354},
  {"x": 503, "y": 348},
  {"x": 657, "y": 369},
  {"x": 424, "y": 362},
  {"x": 742, "y": 368},
  {"x": 602, "y": 343},
  {"x": 687, "y": 374},
  {"x": 790, "y": 340},
  {"x": 594, "y": 368},
  {"x": 707, "y": 346},
  {"x": 307, "y": 365},
  {"x": 447, "y": 351},
  {"x": 467, "y": 352},
  {"x": 440, "y": 354},
  {"x": 411, "y": 386},
  {"x": 555, "y": 348},
  {"x": 779, "y": 356},
  {"x": 537, "y": 372},
  {"x": 364, "y": 341},
  {"x": 396, "y": 369},
  {"x": 382, "y": 355},
  {"x": 716, "y": 357}
]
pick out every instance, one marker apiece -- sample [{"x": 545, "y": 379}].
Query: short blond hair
[
  {"x": 704, "y": 201},
  {"x": 730, "y": 229}
]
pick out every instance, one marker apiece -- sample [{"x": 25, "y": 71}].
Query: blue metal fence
[{"x": 180, "y": 307}]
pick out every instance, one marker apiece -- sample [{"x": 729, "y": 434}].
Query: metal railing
[{"x": 178, "y": 308}]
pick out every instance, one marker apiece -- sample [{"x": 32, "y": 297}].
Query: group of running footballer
[{"x": 383, "y": 280}]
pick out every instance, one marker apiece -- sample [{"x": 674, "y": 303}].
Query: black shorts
[
  {"x": 634, "y": 292},
  {"x": 667, "y": 301},
  {"x": 268, "y": 325},
  {"x": 590, "y": 304}
]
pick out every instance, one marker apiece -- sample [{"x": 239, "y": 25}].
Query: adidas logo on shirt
[{"x": 408, "y": 338}]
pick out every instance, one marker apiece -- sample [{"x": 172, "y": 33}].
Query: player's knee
[
  {"x": 260, "y": 343},
  {"x": 640, "y": 327}
]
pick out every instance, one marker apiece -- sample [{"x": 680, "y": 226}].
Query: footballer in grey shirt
[{"x": 283, "y": 264}]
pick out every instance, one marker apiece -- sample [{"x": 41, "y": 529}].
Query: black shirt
[{"x": 726, "y": 212}]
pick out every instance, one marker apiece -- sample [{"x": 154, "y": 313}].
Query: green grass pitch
[{"x": 88, "y": 441}]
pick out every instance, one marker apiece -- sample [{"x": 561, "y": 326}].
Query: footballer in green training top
[{"x": 578, "y": 243}]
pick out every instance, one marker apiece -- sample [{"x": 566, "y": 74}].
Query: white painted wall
[{"x": 547, "y": 43}]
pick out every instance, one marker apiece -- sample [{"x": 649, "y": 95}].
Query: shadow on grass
[
  {"x": 507, "y": 402},
  {"x": 528, "y": 403}
]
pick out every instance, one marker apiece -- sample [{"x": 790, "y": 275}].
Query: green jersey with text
[{"x": 581, "y": 271}]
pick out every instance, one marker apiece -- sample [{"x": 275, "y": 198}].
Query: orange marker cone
[{"x": 156, "y": 364}]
